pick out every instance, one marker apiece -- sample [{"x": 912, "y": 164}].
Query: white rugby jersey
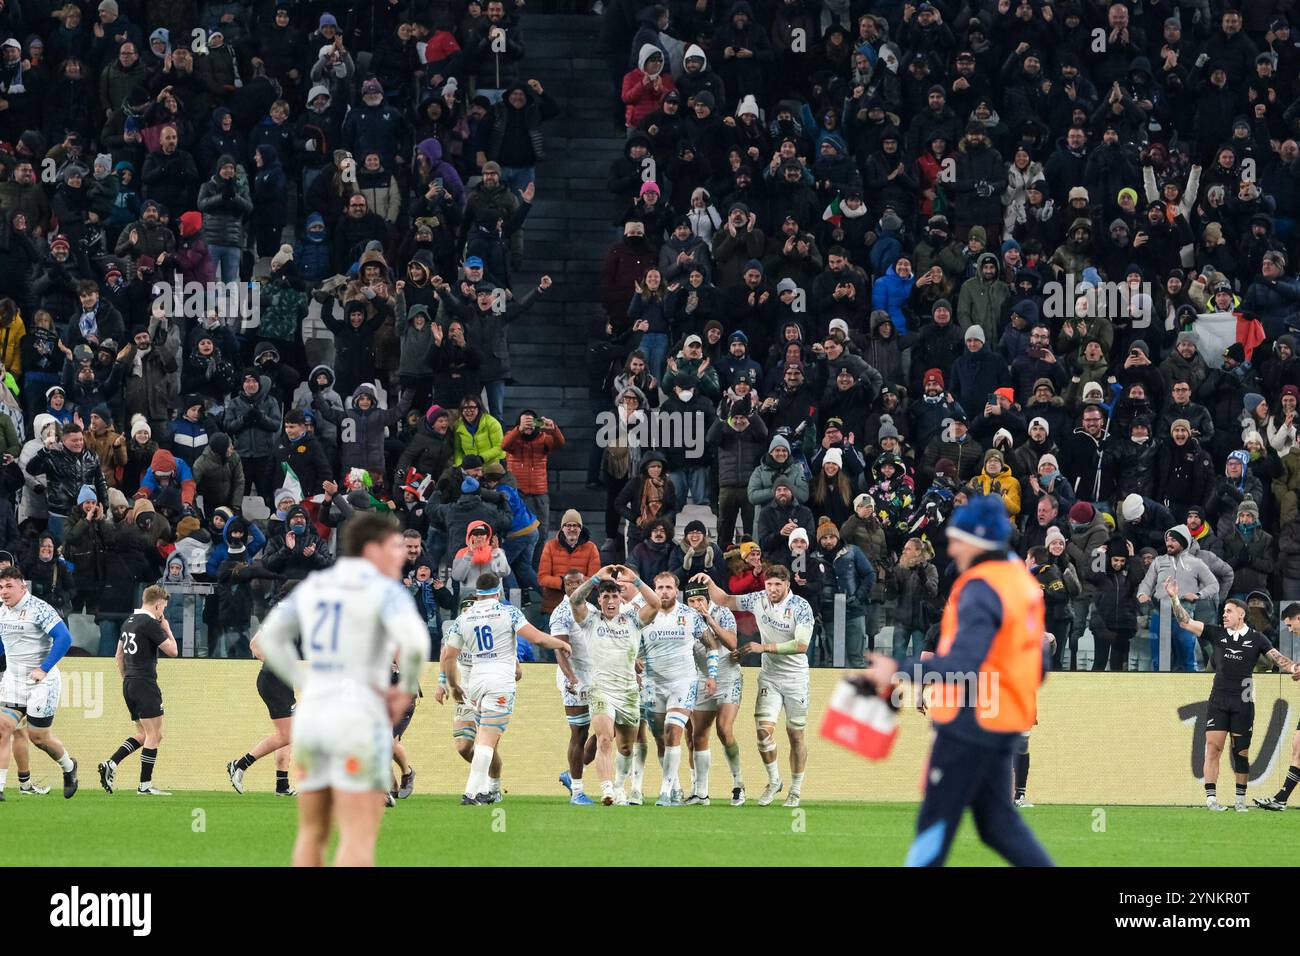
[
  {"x": 728, "y": 670},
  {"x": 488, "y": 630},
  {"x": 612, "y": 648},
  {"x": 452, "y": 637},
  {"x": 668, "y": 642},
  {"x": 778, "y": 624},
  {"x": 351, "y": 619},
  {"x": 562, "y": 623},
  {"x": 25, "y": 631}
]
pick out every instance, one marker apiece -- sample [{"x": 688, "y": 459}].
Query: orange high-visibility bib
[{"x": 1008, "y": 680}]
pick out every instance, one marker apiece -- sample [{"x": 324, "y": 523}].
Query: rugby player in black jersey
[
  {"x": 1236, "y": 649},
  {"x": 144, "y": 635},
  {"x": 1291, "y": 619}
]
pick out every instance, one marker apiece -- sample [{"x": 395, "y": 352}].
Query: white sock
[
  {"x": 606, "y": 788},
  {"x": 796, "y": 782},
  {"x": 773, "y": 772},
  {"x": 672, "y": 764},
  {"x": 702, "y": 760},
  {"x": 494, "y": 784},
  {"x": 65, "y": 763},
  {"x": 478, "y": 771},
  {"x": 638, "y": 765},
  {"x": 622, "y": 767},
  {"x": 4, "y": 776},
  {"x": 733, "y": 761},
  {"x": 577, "y": 785}
]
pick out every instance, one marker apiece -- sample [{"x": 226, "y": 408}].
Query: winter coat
[
  {"x": 219, "y": 480},
  {"x": 558, "y": 559},
  {"x": 253, "y": 423}
]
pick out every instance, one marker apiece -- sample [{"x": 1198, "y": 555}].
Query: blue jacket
[
  {"x": 854, "y": 578},
  {"x": 255, "y": 542},
  {"x": 313, "y": 255},
  {"x": 522, "y": 521},
  {"x": 183, "y": 474},
  {"x": 891, "y": 292},
  {"x": 188, "y": 440}
]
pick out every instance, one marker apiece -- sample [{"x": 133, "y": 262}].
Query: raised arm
[
  {"x": 1181, "y": 614},
  {"x": 718, "y": 596},
  {"x": 539, "y": 637}
]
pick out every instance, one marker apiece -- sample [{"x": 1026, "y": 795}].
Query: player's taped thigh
[
  {"x": 1241, "y": 753},
  {"x": 9, "y": 712},
  {"x": 766, "y": 738},
  {"x": 579, "y": 720},
  {"x": 464, "y": 732},
  {"x": 676, "y": 718}
]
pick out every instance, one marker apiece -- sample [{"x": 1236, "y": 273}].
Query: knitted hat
[
  {"x": 833, "y": 456},
  {"x": 982, "y": 522},
  {"x": 1243, "y": 457},
  {"x": 1248, "y": 506},
  {"x": 469, "y": 485},
  {"x": 1178, "y": 422},
  {"x": 470, "y": 462},
  {"x": 976, "y": 333},
  {"x": 1132, "y": 507},
  {"x": 826, "y": 526},
  {"x": 1250, "y": 401},
  {"x": 1053, "y": 534},
  {"x": 1081, "y": 512},
  {"x": 163, "y": 463},
  {"x": 933, "y": 375},
  {"x": 282, "y": 258},
  {"x": 87, "y": 493},
  {"x": 572, "y": 516},
  {"x": 778, "y": 441},
  {"x": 696, "y": 525},
  {"x": 1040, "y": 421},
  {"x": 798, "y": 534},
  {"x": 1049, "y": 459},
  {"x": 219, "y": 442},
  {"x": 864, "y": 499},
  {"x": 1182, "y": 534}
]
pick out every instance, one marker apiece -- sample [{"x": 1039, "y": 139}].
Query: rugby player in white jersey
[
  {"x": 785, "y": 624},
  {"x": 488, "y": 630},
  {"x": 633, "y": 600},
  {"x": 34, "y": 640},
  {"x": 573, "y": 678},
  {"x": 722, "y": 705},
  {"x": 464, "y": 723},
  {"x": 350, "y": 618},
  {"x": 668, "y": 643},
  {"x": 613, "y": 639}
]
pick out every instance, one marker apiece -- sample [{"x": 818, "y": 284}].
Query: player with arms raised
[
  {"x": 145, "y": 634},
  {"x": 721, "y": 705},
  {"x": 1231, "y": 711},
  {"x": 488, "y": 630},
  {"x": 34, "y": 639},
  {"x": 785, "y": 624},
  {"x": 613, "y": 639},
  {"x": 350, "y": 617},
  {"x": 668, "y": 644}
]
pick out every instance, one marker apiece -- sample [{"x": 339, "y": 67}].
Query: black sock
[
  {"x": 1292, "y": 777},
  {"x": 281, "y": 780},
  {"x": 1209, "y": 790},
  {"x": 244, "y": 762},
  {"x": 1022, "y": 774},
  {"x": 1241, "y": 791},
  {"x": 129, "y": 746},
  {"x": 24, "y": 778},
  {"x": 147, "y": 758}
]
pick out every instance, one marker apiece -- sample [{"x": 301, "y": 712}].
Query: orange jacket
[
  {"x": 526, "y": 459},
  {"x": 558, "y": 560}
]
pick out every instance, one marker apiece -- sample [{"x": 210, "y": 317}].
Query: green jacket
[{"x": 485, "y": 442}]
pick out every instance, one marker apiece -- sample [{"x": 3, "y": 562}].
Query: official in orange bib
[{"x": 984, "y": 678}]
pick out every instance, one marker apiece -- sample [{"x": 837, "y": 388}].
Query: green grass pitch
[{"x": 226, "y": 829}]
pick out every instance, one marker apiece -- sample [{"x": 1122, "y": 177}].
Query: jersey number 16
[{"x": 484, "y": 635}]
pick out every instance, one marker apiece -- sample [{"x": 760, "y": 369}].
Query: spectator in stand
[
  {"x": 570, "y": 550},
  {"x": 528, "y": 447}
]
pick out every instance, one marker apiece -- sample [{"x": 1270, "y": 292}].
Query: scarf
[
  {"x": 652, "y": 500},
  {"x": 88, "y": 324}
]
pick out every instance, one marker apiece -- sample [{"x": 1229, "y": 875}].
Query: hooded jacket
[{"x": 253, "y": 423}]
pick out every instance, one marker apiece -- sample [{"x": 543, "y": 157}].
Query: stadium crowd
[{"x": 886, "y": 256}]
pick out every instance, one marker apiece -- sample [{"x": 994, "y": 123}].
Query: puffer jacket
[
  {"x": 738, "y": 452},
  {"x": 65, "y": 472},
  {"x": 762, "y": 482},
  {"x": 485, "y": 441},
  {"x": 558, "y": 559},
  {"x": 224, "y": 211},
  {"x": 1251, "y": 559},
  {"x": 366, "y": 431},
  {"x": 526, "y": 458},
  {"x": 253, "y": 423}
]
